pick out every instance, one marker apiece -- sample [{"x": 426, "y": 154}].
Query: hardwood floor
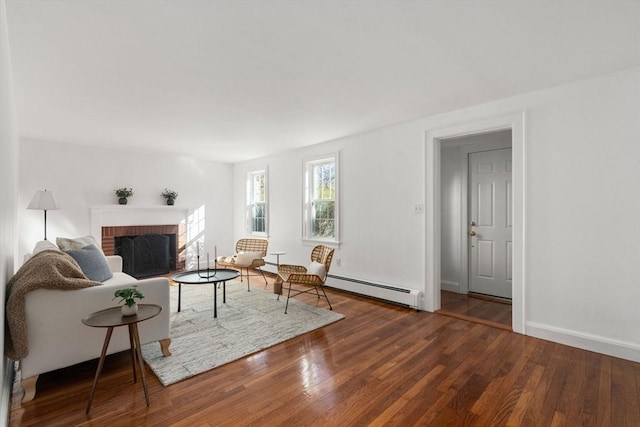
[
  {"x": 478, "y": 309},
  {"x": 381, "y": 365}
]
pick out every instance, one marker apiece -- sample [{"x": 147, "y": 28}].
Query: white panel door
[{"x": 490, "y": 222}]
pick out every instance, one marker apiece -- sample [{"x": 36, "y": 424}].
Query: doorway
[
  {"x": 476, "y": 227},
  {"x": 434, "y": 141}
]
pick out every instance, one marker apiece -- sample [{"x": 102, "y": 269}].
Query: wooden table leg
[
  {"x": 277, "y": 286},
  {"x": 132, "y": 346},
  {"x": 134, "y": 329},
  {"x": 100, "y": 365}
]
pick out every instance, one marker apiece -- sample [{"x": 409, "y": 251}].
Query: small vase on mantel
[
  {"x": 129, "y": 310},
  {"x": 123, "y": 194},
  {"x": 170, "y": 196}
]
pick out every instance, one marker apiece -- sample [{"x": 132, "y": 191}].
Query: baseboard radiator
[{"x": 392, "y": 293}]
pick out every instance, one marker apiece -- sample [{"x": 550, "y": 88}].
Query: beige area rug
[{"x": 247, "y": 323}]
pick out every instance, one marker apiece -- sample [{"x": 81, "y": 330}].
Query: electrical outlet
[
  {"x": 418, "y": 209},
  {"x": 338, "y": 262}
]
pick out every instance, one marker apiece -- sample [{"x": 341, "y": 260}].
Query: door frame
[{"x": 433, "y": 141}]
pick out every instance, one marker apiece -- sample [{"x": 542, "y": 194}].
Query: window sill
[{"x": 313, "y": 242}]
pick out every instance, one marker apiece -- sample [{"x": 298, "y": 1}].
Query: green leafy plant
[
  {"x": 128, "y": 295},
  {"x": 124, "y": 192},
  {"x": 169, "y": 194}
]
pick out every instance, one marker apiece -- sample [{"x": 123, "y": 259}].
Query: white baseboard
[
  {"x": 599, "y": 344},
  {"x": 445, "y": 285}
]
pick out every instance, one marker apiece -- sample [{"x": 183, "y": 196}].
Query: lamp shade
[{"x": 44, "y": 201}]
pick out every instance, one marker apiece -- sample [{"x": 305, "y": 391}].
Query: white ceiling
[{"x": 235, "y": 80}]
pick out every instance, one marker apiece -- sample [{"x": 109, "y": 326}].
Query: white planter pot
[{"x": 129, "y": 311}]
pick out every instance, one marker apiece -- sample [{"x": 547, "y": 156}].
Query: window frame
[
  {"x": 307, "y": 176},
  {"x": 250, "y": 202}
]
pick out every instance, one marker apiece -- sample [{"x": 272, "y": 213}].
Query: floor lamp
[{"x": 44, "y": 201}]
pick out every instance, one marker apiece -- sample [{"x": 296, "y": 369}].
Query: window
[
  {"x": 257, "y": 202},
  {"x": 321, "y": 217}
]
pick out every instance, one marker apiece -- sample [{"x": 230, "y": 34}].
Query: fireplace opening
[{"x": 146, "y": 255}]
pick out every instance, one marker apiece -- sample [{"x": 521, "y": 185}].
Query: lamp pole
[{"x": 45, "y": 224}]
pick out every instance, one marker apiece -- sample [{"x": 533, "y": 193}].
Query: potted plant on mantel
[
  {"x": 123, "y": 194},
  {"x": 128, "y": 296},
  {"x": 170, "y": 195}
]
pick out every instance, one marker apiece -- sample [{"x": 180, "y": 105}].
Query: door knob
[
  {"x": 472, "y": 233},
  {"x": 473, "y": 223}
]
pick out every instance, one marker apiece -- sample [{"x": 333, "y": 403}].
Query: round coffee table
[
  {"x": 111, "y": 318},
  {"x": 203, "y": 277}
]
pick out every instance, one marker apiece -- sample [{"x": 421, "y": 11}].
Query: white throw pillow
[
  {"x": 67, "y": 244},
  {"x": 44, "y": 245},
  {"x": 317, "y": 269},
  {"x": 246, "y": 258}
]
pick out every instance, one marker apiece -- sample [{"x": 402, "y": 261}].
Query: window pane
[
  {"x": 324, "y": 181},
  {"x": 258, "y": 188},
  {"x": 257, "y": 202},
  {"x": 321, "y": 219},
  {"x": 322, "y": 224},
  {"x": 259, "y": 211}
]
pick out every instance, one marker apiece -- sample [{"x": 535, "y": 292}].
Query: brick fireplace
[{"x": 110, "y": 233}]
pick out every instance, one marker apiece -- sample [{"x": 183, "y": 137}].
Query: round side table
[
  {"x": 112, "y": 318},
  {"x": 277, "y": 254}
]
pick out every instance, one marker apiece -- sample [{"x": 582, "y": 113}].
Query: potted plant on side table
[{"x": 128, "y": 296}]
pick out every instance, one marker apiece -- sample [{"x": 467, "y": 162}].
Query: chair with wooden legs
[{"x": 302, "y": 280}]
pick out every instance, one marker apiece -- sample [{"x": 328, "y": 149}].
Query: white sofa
[{"x": 57, "y": 338}]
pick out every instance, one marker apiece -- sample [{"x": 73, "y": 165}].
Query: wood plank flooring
[
  {"x": 381, "y": 365},
  {"x": 476, "y": 309}
]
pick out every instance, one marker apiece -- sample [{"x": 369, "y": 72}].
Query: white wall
[
  {"x": 8, "y": 194},
  {"x": 82, "y": 176},
  {"x": 377, "y": 196},
  {"x": 582, "y": 204}
]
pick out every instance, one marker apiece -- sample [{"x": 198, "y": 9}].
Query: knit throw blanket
[{"x": 48, "y": 269}]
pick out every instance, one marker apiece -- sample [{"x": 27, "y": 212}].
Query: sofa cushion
[
  {"x": 44, "y": 245},
  {"x": 120, "y": 278},
  {"x": 92, "y": 262},
  {"x": 67, "y": 244}
]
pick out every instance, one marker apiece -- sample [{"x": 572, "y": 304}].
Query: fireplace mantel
[
  {"x": 136, "y": 207},
  {"x": 123, "y": 215}
]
